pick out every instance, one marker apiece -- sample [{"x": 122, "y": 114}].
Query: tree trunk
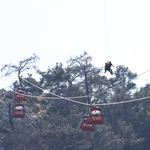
[
  {"x": 10, "y": 117},
  {"x": 86, "y": 85},
  {"x": 20, "y": 80}
]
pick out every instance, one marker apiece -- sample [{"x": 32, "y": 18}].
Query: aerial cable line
[
  {"x": 53, "y": 93},
  {"x": 60, "y": 97},
  {"x": 92, "y": 94},
  {"x": 123, "y": 102},
  {"x": 143, "y": 73},
  {"x": 56, "y": 94},
  {"x": 118, "y": 84},
  {"x": 104, "y": 104}
]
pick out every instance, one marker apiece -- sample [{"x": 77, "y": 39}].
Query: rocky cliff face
[
  {"x": 13, "y": 130},
  {"x": 6, "y": 99}
]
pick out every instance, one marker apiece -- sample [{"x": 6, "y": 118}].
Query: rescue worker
[
  {"x": 108, "y": 67},
  {"x": 110, "y": 64}
]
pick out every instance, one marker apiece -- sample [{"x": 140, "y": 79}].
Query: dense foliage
[{"x": 56, "y": 125}]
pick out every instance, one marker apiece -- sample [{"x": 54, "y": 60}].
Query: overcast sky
[{"x": 55, "y": 30}]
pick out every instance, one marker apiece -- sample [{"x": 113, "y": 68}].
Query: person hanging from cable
[{"x": 108, "y": 67}]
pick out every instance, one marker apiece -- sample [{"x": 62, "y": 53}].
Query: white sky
[{"x": 55, "y": 30}]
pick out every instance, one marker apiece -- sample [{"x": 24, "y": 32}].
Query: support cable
[{"x": 68, "y": 99}]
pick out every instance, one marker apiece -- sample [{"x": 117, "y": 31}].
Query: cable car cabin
[
  {"x": 95, "y": 115},
  {"x": 20, "y": 97},
  {"x": 86, "y": 126},
  {"x": 21, "y": 88},
  {"x": 18, "y": 111}
]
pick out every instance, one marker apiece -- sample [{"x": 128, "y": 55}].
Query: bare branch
[{"x": 10, "y": 69}]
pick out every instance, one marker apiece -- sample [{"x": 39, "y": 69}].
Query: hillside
[{"x": 56, "y": 104}]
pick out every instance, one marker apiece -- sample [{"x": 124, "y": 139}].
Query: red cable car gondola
[
  {"x": 21, "y": 88},
  {"x": 20, "y": 97},
  {"x": 95, "y": 115},
  {"x": 18, "y": 111},
  {"x": 86, "y": 126}
]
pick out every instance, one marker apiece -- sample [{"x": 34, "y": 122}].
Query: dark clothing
[
  {"x": 110, "y": 64},
  {"x": 108, "y": 67}
]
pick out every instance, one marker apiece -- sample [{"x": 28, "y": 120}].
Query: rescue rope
[{"x": 105, "y": 29}]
